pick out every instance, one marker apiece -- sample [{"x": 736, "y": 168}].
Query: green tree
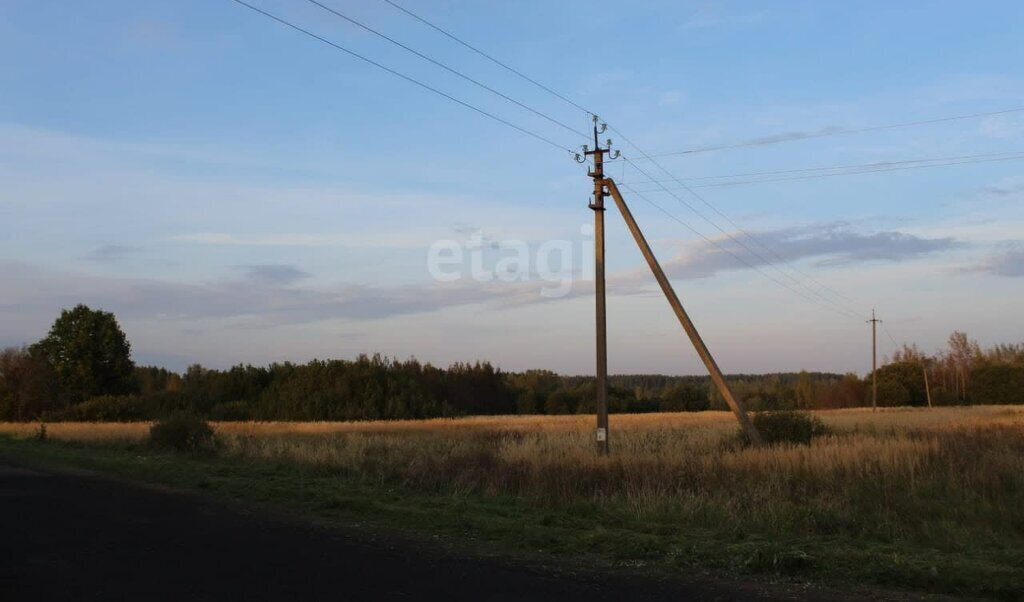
[
  {"x": 88, "y": 353},
  {"x": 27, "y": 386},
  {"x": 997, "y": 384},
  {"x": 684, "y": 397},
  {"x": 901, "y": 383}
]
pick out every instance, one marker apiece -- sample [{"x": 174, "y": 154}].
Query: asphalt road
[{"x": 85, "y": 537}]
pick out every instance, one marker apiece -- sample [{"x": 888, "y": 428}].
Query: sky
[{"x": 238, "y": 192}]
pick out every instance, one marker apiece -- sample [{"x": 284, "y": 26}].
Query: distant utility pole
[
  {"x": 874, "y": 361},
  {"x": 603, "y": 186},
  {"x": 927, "y": 389}
]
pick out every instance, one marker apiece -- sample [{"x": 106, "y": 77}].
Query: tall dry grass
[{"x": 933, "y": 475}]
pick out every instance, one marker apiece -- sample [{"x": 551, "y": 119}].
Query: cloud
[
  {"x": 265, "y": 295},
  {"x": 281, "y": 275},
  {"x": 268, "y": 295},
  {"x": 1001, "y": 126},
  {"x": 392, "y": 241},
  {"x": 707, "y": 19},
  {"x": 156, "y": 34},
  {"x": 828, "y": 244},
  {"x": 1004, "y": 190},
  {"x": 1008, "y": 261},
  {"x": 670, "y": 98},
  {"x": 111, "y": 253}
]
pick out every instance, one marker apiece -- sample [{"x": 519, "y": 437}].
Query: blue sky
[{"x": 237, "y": 192}]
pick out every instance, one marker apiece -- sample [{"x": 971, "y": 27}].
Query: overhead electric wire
[
  {"x": 734, "y": 225},
  {"x": 403, "y": 76},
  {"x": 830, "y": 304},
  {"x": 714, "y": 243},
  {"x": 566, "y": 99},
  {"x": 488, "y": 57},
  {"x": 1010, "y": 156},
  {"x": 782, "y": 138},
  {"x": 879, "y": 164},
  {"x": 895, "y": 345},
  {"x": 445, "y": 67}
]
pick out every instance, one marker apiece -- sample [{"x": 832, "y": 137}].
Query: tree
[
  {"x": 88, "y": 353},
  {"x": 997, "y": 384},
  {"x": 684, "y": 397},
  {"x": 27, "y": 386},
  {"x": 901, "y": 383}
]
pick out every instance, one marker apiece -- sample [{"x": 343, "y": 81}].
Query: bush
[
  {"x": 108, "y": 408},
  {"x": 788, "y": 427},
  {"x": 997, "y": 384},
  {"x": 231, "y": 411},
  {"x": 183, "y": 433}
]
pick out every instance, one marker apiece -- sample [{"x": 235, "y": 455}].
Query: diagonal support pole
[{"x": 684, "y": 319}]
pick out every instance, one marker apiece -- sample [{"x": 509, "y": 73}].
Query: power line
[
  {"x": 738, "y": 258},
  {"x": 733, "y": 223},
  {"x": 527, "y": 78},
  {"x": 895, "y": 345},
  {"x": 520, "y": 74},
  {"x": 487, "y": 56},
  {"x": 403, "y": 76},
  {"x": 571, "y": 102},
  {"x": 562, "y": 97},
  {"x": 1016, "y": 155},
  {"x": 796, "y": 136},
  {"x": 507, "y": 123},
  {"x": 876, "y": 164},
  {"x": 445, "y": 67}
]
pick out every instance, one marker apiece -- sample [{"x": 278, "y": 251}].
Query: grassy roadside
[{"x": 608, "y": 534}]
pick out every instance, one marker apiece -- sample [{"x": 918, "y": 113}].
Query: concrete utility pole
[
  {"x": 597, "y": 205},
  {"x": 602, "y": 188},
  {"x": 874, "y": 361}
]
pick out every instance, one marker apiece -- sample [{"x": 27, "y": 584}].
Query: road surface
[{"x": 83, "y": 537}]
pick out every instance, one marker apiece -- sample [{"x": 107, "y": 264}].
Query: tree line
[{"x": 82, "y": 370}]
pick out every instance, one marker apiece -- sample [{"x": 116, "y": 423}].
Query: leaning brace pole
[{"x": 684, "y": 319}]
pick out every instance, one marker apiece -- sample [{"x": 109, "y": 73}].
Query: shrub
[
  {"x": 109, "y": 408},
  {"x": 997, "y": 384},
  {"x": 183, "y": 433},
  {"x": 231, "y": 411},
  {"x": 788, "y": 427}
]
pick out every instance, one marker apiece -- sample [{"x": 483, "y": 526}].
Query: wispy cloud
[
  {"x": 1007, "y": 261},
  {"x": 275, "y": 275},
  {"x": 1001, "y": 126},
  {"x": 710, "y": 18},
  {"x": 112, "y": 253},
  {"x": 670, "y": 98},
  {"x": 1002, "y": 190},
  {"x": 302, "y": 240},
  {"x": 831, "y": 244}
]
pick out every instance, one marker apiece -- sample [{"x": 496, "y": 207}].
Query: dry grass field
[
  {"x": 891, "y": 456},
  {"x": 945, "y": 482}
]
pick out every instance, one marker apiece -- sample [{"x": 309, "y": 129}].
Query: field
[{"x": 926, "y": 500}]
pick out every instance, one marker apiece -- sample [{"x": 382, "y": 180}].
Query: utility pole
[
  {"x": 927, "y": 389},
  {"x": 597, "y": 205},
  {"x": 604, "y": 186},
  {"x": 874, "y": 361}
]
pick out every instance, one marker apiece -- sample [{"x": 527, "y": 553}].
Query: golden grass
[
  {"x": 943, "y": 480},
  {"x": 655, "y": 456},
  {"x": 975, "y": 453}
]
